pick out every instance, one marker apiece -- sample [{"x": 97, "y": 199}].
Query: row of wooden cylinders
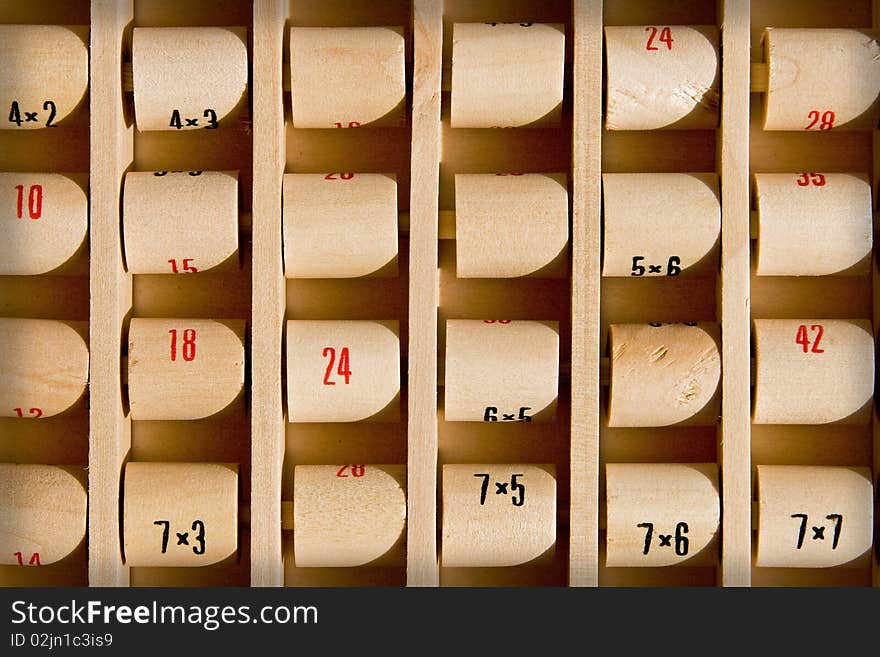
[
  {"x": 502, "y": 75},
  {"x": 187, "y": 514},
  {"x": 346, "y": 224},
  {"x": 494, "y": 370}
]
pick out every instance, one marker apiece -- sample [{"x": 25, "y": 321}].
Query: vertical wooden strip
[
  {"x": 585, "y": 246},
  {"x": 267, "y": 312},
  {"x": 111, "y": 147},
  {"x": 422, "y": 566},
  {"x": 735, "y": 445}
]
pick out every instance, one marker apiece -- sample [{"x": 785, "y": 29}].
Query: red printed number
[
  {"x": 820, "y": 120},
  {"x": 803, "y": 338},
  {"x": 35, "y": 412},
  {"x": 34, "y": 560},
  {"x": 356, "y": 471},
  {"x": 351, "y": 124},
  {"x": 665, "y": 37},
  {"x": 188, "y": 349},
  {"x": 498, "y": 321},
  {"x": 342, "y": 176},
  {"x": 807, "y": 179},
  {"x": 343, "y": 369},
  {"x": 34, "y": 201},
  {"x": 187, "y": 266}
]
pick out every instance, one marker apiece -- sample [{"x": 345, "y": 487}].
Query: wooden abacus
[{"x": 434, "y": 292}]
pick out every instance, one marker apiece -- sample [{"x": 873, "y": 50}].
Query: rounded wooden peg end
[
  {"x": 339, "y": 225},
  {"x": 343, "y": 371},
  {"x": 179, "y": 514},
  {"x": 501, "y": 370},
  {"x": 179, "y": 222},
  {"x": 799, "y": 363},
  {"x": 347, "y": 515},
  {"x": 184, "y": 369},
  {"x": 45, "y": 366},
  {"x": 821, "y": 79},
  {"x": 42, "y": 514},
  {"x": 188, "y": 78},
  {"x": 497, "y": 515},
  {"x": 509, "y": 225},
  {"x": 44, "y": 74},
  {"x": 659, "y": 224},
  {"x": 662, "y": 76},
  {"x": 506, "y": 75},
  {"x": 347, "y": 77},
  {"x": 813, "y": 516},
  {"x": 664, "y": 374},
  {"x": 813, "y": 224},
  {"x": 660, "y": 514}
]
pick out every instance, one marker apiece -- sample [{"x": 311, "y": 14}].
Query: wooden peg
[
  {"x": 184, "y": 369},
  {"x": 497, "y": 515},
  {"x": 339, "y": 225},
  {"x": 348, "y": 515},
  {"x": 501, "y": 370},
  {"x": 44, "y": 365},
  {"x": 179, "y": 222},
  {"x": 821, "y": 79},
  {"x": 659, "y": 224},
  {"x": 347, "y": 77},
  {"x": 179, "y": 514},
  {"x": 44, "y": 74},
  {"x": 42, "y": 514},
  {"x": 44, "y": 218},
  {"x": 813, "y": 516},
  {"x": 813, "y": 371},
  {"x": 661, "y": 76},
  {"x": 343, "y": 371},
  {"x": 664, "y": 374},
  {"x": 506, "y": 75},
  {"x": 509, "y": 225},
  {"x": 813, "y": 224},
  {"x": 188, "y": 78},
  {"x": 661, "y": 514}
]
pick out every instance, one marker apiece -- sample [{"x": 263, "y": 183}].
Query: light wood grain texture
[
  {"x": 195, "y": 503},
  {"x": 664, "y": 375},
  {"x": 182, "y": 368},
  {"x": 179, "y": 222},
  {"x": 422, "y": 558},
  {"x": 44, "y": 74},
  {"x": 586, "y": 163},
  {"x": 819, "y": 228},
  {"x": 734, "y": 446},
  {"x": 836, "y": 525},
  {"x": 818, "y": 71},
  {"x": 510, "y": 225},
  {"x": 42, "y": 513},
  {"x": 662, "y": 77},
  {"x": 109, "y": 428},
  {"x": 662, "y": 514},
  {"x": 188, "y": 78},
  {"x": 45, "y": 219},
  {"x": 669, "y": 220},
  {"x": 339, "y": 225},
  {"x": 345, "y": 77},
  {"x": 44, "y": 365},
  {"x": 501, "y": 371},
  {"x": 506, "y": 75},
  {"x": 343, "y": 371},
  {"x": 802, "y": 382},
  {"x": 347, "y": 515},
  {"x": 497, "y": 515},
  {"x": 267, "y": 312}
]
